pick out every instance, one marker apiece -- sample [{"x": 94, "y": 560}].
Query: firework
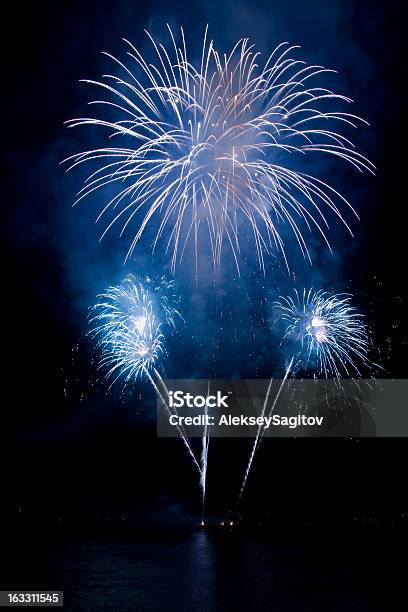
[
  {"x": 129, "y": 353},
  {"x": 130, "y": 337},
  {"x": 127, "y": 332},
  {"x": 169, "y": 301},
  {"x": 212, "y": 152},
  {"x": 325, "y": 332},
  {"x": 124, "y": 316},
  {"x": 205, "y": 441},
  {"x": 260, "y": 432}
]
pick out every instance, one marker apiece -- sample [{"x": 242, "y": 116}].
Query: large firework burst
[
  {"x": 325, "y": 332},
  {"x": 206, "y": 150}
]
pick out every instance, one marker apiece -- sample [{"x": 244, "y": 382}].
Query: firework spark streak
[
  {"x": 168, "y": 300},
  {"x": 180, "y": 429},
  {"x": 205, "y": 441},
  {"x": 327, "y": 333},
  {"x": 260, "y": 432},
  {"x": 207, "y": 151},
  {"x": 130, "y": 338}
]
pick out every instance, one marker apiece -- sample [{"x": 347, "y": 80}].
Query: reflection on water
[
  {"x": 201, "y": 572},
  {"x": 201, "y": 578}
]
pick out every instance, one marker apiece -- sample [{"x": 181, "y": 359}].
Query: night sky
[{"x": 70, "y": 449}]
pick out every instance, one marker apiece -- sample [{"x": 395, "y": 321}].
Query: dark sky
[{"x": 62, "y": 431}]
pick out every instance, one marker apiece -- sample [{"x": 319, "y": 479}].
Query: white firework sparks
[
  {"x": 130, "y": 338},
  {"x": 126, "y": 330},
  {"x": 326, "y": 331},
  {"x": 212, "y": 147},
  {"x": 127, "y": 304}
]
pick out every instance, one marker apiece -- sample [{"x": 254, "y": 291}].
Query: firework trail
[
  {"x": 324, "y": 331},
  {"x": 327, "y": 335},
  {"x": 205, "y": 441},
  {"x": 130, "y": 339},
  {"x": 203, "y": 465},
  {"x": 206, "y": 151},
  {"x": 260, "y": 432}
]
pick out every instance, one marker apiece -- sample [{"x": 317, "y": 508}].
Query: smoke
[{"x": 226, "y": 330}]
